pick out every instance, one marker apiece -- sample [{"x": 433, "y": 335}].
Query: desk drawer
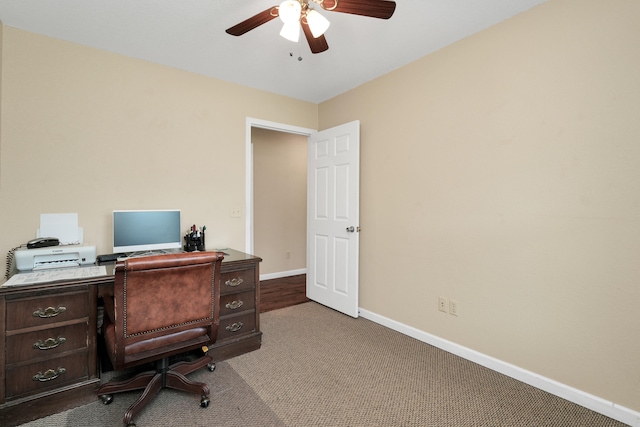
[
  {"x": 236, "y": 325},
  {"x": 46, "y": 310},
  {"x": 46, "y": 375},
  {"x": 46, "y": 343},
  {"x": 237, "y": 281},
  {"x": 235, "y": 303}
]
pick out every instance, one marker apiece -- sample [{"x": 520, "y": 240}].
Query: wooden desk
[
  {"x": 239, "y": 330},
  {"x": 49, "y": 333}
]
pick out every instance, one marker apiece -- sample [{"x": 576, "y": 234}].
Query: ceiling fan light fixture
[
  {"x": 289, "y": 11},
  {"x": 291, "y": 31},
  {"x": 318, "y": 24}
]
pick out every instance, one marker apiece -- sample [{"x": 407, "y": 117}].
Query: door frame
[{"x": 248, "y": 208}]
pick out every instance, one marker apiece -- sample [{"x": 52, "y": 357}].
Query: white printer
[{"x": 54, "y": 257}]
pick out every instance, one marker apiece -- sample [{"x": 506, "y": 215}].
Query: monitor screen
[{"x": 146, "y": 230}]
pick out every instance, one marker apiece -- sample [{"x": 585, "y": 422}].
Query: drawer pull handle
[
  {"x": 234, "y": 282},
  {"x": 49, "y": 343},
  {"x": 49, "y": 375},
  {"x": 233, "y": 305},
  {"x": 235, "y": 327},
  {"x": 49, "y": 312}
]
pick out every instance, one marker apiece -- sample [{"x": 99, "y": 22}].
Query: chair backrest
[{"x": 164, "y": 305}]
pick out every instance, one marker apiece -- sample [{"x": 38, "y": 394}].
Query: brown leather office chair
[{"x": 162, "y": 306}]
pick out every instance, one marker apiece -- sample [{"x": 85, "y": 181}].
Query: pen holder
[{"x": 194, "y": 241}]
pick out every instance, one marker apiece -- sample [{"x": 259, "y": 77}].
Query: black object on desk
[
  {"x": 107, "y": 258},
  {"x": 194, "y": 239}
]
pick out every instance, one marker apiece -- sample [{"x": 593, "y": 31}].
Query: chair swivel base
[{"x": 152, "y": 382}]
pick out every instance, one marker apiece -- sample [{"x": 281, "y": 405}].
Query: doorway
[
  {"x": 277, "y": 268},
  {"x": 280, "y": 201}
]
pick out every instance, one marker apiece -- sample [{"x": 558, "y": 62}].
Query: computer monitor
[{"x": 146, "y": 230}]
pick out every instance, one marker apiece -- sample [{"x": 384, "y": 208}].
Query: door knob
[{"x": 351, "y": 229}]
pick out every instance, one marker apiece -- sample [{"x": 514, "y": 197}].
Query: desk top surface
[{"x": 106, "y": 272}]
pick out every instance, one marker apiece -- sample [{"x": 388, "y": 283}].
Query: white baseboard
[
  {"x": 283, "y": 274},
  {"x": 604, "y": 407}
]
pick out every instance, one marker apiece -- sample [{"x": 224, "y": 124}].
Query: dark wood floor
[{"x": 283, "y": 292}]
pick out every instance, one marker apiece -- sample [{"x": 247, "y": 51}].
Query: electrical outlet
[
  {"x": 442, "y": 304},
  {"x": 235, "y": 213},
  {"x": 453, "y": 307}
]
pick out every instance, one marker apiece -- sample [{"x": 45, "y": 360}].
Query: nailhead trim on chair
[{"x": 166, "y": 327}]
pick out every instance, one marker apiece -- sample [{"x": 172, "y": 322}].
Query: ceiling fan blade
[
  {"x": 253, "y": 22},
  {"x": 382, "y": 9},
  {"x": 318, "y": 44}
]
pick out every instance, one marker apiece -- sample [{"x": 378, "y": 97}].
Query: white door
[{"x": 333, "y": 199}]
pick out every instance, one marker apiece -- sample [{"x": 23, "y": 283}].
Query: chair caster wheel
[
  {"x": 211, "y": 367},
  {"x": 106, "y": 398},
  {"x": 204, "y": 402},
  {"x": 131, "y": 425}
]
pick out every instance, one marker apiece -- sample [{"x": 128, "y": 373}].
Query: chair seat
[{"x": 189, "y": 339}]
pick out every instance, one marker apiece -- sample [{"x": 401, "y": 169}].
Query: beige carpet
[{"x": 320, "y": 368}]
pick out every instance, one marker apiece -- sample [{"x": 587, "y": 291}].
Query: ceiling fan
[{"x": 298, "y": 13}]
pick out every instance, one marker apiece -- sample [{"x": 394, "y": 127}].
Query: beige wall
[
  {"x": 503, "y": 172},
  {"x": 88, "y": 131},
  {"x": 280, "y": 200},
  {"x": 1, "y": 59}
]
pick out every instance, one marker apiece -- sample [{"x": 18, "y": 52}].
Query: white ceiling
[{"x": 190, "y": 35}]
